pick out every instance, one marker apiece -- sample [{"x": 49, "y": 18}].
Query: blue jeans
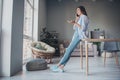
[{"x": 71, "y": 47}]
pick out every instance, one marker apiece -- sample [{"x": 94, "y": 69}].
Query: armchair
[
  {"x": 44, "y": 51},
  {"x": 113, "y": 48}
]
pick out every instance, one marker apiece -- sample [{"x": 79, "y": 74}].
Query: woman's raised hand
[{"x": 71, "y": 21}]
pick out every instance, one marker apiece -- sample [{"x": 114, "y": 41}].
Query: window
[{"x": 28, "y": 28}]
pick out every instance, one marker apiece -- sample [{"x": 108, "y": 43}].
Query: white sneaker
[{"x": 58, "y": 70}]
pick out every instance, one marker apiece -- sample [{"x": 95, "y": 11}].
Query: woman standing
[{"x": 80, "y": 25}]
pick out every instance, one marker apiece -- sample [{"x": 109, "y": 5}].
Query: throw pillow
[{"x": 39, "y": 46}]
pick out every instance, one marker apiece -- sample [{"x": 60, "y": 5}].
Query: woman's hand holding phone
[{"x": 74, "y": 21}]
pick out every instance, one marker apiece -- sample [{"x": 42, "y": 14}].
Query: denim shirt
[{"x": 83, "y": 21}]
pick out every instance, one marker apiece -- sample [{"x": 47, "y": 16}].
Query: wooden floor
[{"x": 97, "y": 71}]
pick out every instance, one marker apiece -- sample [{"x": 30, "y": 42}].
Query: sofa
[{"x": 92, "y": 51}]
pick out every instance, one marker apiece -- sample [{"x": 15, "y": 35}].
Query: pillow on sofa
[{"x": 39, "y": 46}]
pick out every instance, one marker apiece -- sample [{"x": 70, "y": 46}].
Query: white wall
[
  {"x": 0, "y": 29},
  {"x": 6, "y": 37},
  {"x": 12, "y": 37},
  {"x": 42, "y": 16},
  {"x": 103, "y": 14}
]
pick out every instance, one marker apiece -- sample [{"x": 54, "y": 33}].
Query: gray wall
[
  {"x": 12, "y": 37},
  {"x": 42, "y": 16},
  {"x": 103, "y": 14},
  {"x": 17, "y": 36}
]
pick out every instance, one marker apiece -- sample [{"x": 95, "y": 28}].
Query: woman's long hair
[{"x": 83, "y": 10}]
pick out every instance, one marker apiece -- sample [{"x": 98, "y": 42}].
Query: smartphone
[{"x": 77, "y": 15}]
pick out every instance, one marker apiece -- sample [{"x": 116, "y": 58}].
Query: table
[{"x": 86, "y": 49}]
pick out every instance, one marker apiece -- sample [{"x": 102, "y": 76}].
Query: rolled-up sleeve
[
  {"x": 84, "y": 23},
  {"x": 84, "y": 26}
]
